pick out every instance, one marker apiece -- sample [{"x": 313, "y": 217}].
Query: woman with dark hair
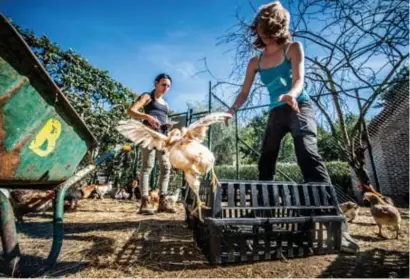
[{"x": 154, "y": 115}]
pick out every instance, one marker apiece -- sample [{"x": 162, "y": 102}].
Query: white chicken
[
  {"x": 175, "y": 196},
  {"x": 185, "y": 148}
]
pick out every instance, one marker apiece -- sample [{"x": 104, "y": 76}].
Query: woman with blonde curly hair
[{"x": 281, "y": 69}]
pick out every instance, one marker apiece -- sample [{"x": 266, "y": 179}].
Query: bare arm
[
  {"x": 297, "y": 59},
  {"x": 247, "y": 84},
  {"x": 134, "y": 112},
  {"x": 296, "y": 56}
]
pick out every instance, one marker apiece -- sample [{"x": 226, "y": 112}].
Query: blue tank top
[{"x": 278, "y": 81}]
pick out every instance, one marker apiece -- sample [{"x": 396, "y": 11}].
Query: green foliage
[
  {"x": 222, "y": 136},
  {"x": 327, "y": 142},
  {"x": 252, "y": 135},
  {"x": 99, "y": 100},
  {"x": 339, "y": 172},
  {"x": 327, "y": 145},
  {"x": 223, "y": 144}
]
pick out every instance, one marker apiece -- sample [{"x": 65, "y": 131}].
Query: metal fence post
[
  {"x": 237, "y": 145},
  {"x": 209, "y": 111}
]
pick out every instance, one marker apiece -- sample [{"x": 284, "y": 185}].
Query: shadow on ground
[{"x": 376, "y": 263}]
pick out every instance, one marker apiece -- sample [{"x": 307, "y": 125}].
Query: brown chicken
[
  {"x": 87, "y": 190},
  {"x": 133, "y": 189},
  {"x": 350, "y": 210},
  {"x": 383, "y": 214},
  {"x": 154, "y": 196},
  {"x": 184, "y": 147},
  {"x": 27, "y": 201}
]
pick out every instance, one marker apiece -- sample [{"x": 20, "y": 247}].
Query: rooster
[{"x": 184, "y": 147}]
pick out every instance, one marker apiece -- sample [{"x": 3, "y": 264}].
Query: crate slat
[{"x": 251, "y": 221}]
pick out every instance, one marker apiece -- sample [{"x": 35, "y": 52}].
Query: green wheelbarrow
[{"x": 42, "y": 140}]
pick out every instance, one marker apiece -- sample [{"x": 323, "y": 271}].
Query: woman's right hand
[{"x": 154, "y": 122}]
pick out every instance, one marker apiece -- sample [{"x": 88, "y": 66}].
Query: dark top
[{"x": 157, "y": 110}]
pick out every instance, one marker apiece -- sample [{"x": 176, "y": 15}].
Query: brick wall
[{"x": 389, "y": 135}]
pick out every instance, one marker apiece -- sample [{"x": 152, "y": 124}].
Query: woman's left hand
[{"x": 290, "y": 100}]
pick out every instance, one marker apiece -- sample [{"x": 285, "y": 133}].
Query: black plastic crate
[{"x": 259, "y": 220}]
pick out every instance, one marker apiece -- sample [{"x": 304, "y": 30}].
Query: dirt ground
[{"x": 105, "y": 238}]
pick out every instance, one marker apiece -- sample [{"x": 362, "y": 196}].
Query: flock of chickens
[
  {"x": 28, "y": 201},
  {"x": 382, "y": 209},
  {"x": 187, "y": 153}
]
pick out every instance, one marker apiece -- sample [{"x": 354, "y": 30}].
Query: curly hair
[{"x": 273, "y": 21}]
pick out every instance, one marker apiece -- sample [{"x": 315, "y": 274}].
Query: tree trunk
[
  {"x": 358, "y": 165},
  {"x": 361, "y": 174}
]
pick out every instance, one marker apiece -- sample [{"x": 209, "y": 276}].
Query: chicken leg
[
  {"x": 397, "y": 228},
  {"x": 193, "y": 183},
  {"x": 214, "y": 180},
  {"x": 380, "y": 231}
]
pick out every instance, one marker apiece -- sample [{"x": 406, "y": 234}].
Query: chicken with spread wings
[{"x": 184, "y": 147}]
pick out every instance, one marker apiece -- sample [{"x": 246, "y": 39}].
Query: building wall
[{"x": 390, "y": 145}]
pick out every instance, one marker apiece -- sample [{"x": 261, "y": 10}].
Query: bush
[{"x": 339, "y": 172}]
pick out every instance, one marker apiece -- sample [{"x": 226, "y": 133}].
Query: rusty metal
[
  {"x": 10, "y": 160},
  {"x": 42, "y": 139},
  {"x": 40, "y": 132},
  {"x": 8, "y": 232},
  {"x": 58, "y": 232},
  {"x": 11, "y": 35}
]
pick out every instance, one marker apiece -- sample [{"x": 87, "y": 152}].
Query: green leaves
[{"x": 100, "y": 100}]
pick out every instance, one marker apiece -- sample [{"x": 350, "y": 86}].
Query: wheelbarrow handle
[
  {"x": 59, "y": 201},
  {"x": 114, "y": 152},
  {"x": 8, "y": 231}
]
